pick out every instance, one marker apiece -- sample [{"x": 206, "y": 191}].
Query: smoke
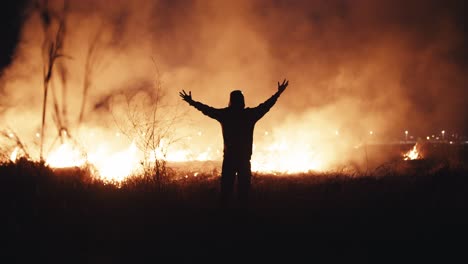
[{"x": 353, "y": 66}]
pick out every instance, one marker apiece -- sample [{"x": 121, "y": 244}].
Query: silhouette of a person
[{"x": 237, "y": 123}]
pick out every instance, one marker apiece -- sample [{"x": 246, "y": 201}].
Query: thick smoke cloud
[{"x": 353, "y": 66}]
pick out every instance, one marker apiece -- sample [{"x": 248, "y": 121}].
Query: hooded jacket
[{"x": 237, "y": 122}]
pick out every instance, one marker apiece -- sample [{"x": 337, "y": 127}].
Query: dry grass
[{"x": 75, "y": 214}]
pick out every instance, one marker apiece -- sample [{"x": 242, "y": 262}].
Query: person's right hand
[
  {"x": 282, "y": 87},
  {"x": 186, "y": 97}
]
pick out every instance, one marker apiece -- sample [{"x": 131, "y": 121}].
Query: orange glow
[
  {"x": 287, "y": 157},
  {"x": 412, "y": 154},
  {"x": 109, "y": 166},
  {"x": 114, "y": 161},
  {"x": 14, "y": 154},
  {"x": 66, "y": 156},
  {"x": 116, "y": 166},
  {"x": 114, "y": 85}
]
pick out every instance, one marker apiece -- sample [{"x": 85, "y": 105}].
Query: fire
[
  {"x": 117, "y": 166},
  {"x": 113, "y": 158},
  {"x": 14, "y": 154},
  {"x": 66, "y": 156},
  {"x": 111, "y": 164},
  {"x": 286, "y": 157},
  {"x": 112, "y": 167},
  {"x": 412, "y": 154}
]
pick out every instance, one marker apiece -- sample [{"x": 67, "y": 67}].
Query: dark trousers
[{"x": 235, "y": 166}]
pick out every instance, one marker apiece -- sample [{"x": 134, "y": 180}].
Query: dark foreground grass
[{"x": 410, "y": 211}]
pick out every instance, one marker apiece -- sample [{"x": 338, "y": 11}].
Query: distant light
[
  {"x": 337, "y": 132},
  {"x": 371, "y": 132},
  {"x": 199, "y": 133},
  {"x": 451, "y": 142},
  {"x": 406, "y": 132},
  {"x": 11, "y": 135},
  {"x": 443, "y": 131},
  {"x": 428, "y": 137},
  {"x": 266, "y": 133},
  {"x": 38, "y": 135}
]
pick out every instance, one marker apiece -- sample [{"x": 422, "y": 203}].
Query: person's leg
[
  {"x": 243, "y": 184},
  {"x": 227, "y": 180}
]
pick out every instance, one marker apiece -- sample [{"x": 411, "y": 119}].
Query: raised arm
[
  {"x": 264, "y": 107},
  {"x": 205, "y": 109}
]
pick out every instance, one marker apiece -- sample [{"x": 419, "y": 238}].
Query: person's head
[{"x": 236, "y": 100}]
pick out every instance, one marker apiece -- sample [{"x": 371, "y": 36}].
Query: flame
[
  {"x": 66, "y": 156},
  {"x": 287, "y": 158},
  {"x": 14, "y": 154},
  {"x": 118, "y": 166},
  {"x": 113, "y": 167},
  {"x": 115, "y": 159},
  {"x": 412, "y": 154}
]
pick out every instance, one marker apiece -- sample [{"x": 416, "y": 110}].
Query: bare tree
[
  {"x": 52, "y": 48},
  {"x": 150, "y": 123}
]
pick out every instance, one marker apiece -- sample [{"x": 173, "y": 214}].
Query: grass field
[{"x": 415, "y": 207}]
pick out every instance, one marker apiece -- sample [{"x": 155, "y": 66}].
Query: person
[{"x": 237, "y": 123}]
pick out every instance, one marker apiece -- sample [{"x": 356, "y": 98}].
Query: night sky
[{"x": 12, "y": 13}]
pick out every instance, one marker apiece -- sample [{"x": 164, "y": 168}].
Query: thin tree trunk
[{"x": 44, "y": 104}]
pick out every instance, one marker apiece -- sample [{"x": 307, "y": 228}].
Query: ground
[{"x": 403, "y": 211}]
